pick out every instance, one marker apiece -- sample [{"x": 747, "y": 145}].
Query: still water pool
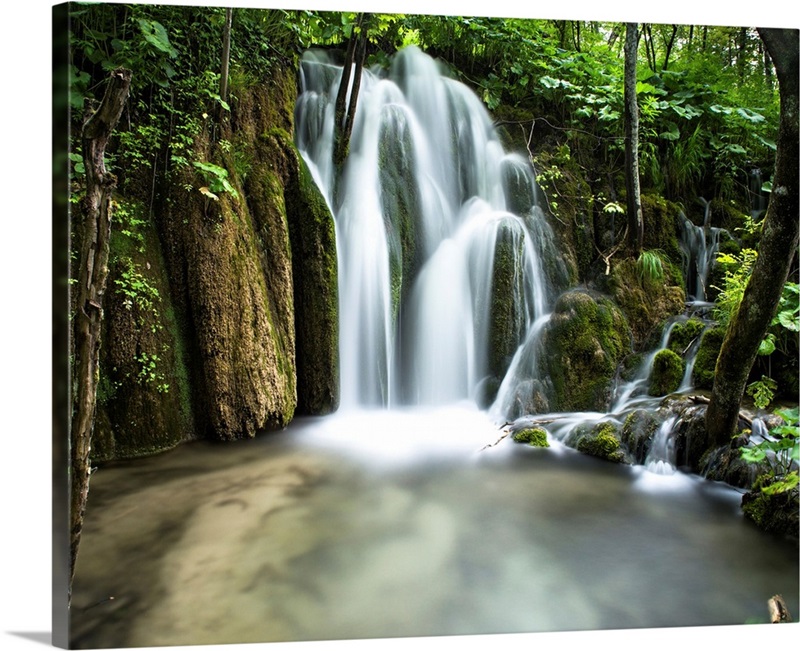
[{"x": 402, "y": 523}]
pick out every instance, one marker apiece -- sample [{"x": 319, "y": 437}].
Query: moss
[
  {"x": 315, "y": 281},
  {"x": 666, "y": 373},
  {"x": 724, "y": 214},
  {"x": 637, "y": 432},
  {"x": 646, "y": 305},
  {"x": 706, "y": 360},
  {"x": 400, "y": 204},
  {"x": 584, "y": 341},
  {"x": 773, "y": 513},
  {"x": 684, "y": 334},
  {"x": 662, "y": 227},
  {"x": 506, "y": 317},
  {"x": 535, "y": 436},
  {"x": 602, "y": 442},
  {"x": 140, "y": 410}
]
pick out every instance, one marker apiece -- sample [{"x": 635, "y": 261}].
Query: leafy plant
[
  {"x": 217, "y": 179},
  {"x": 780, "y": 452},
  {"x": 762, "y": 391},
  {"x": 650, "y": 266}
]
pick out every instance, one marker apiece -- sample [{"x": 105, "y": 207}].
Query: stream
[{"x": 377, "y": 524}]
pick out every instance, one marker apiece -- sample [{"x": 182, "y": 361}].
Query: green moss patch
[
  {"x": 666, "y": 373},
  {"x": 706, "y": 360},
  {"x": 534, "y": 436},
  {"x": 585, "y": 340},
  {"x": 603, "y": 442}
]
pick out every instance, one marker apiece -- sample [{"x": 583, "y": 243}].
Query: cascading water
[
  {"x": 699, "y": 245},
  {"x": 425, "y": 198}
]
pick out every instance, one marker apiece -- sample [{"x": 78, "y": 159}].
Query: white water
[{"x": 418, "y": 334}]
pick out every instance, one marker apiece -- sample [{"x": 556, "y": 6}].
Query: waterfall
[
  {"x": 699, "y": 245},
  {"x": 423, "y": 203},
  {"x": 661, "y": 457}
]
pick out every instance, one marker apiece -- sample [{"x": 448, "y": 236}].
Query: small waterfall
[
  {"x": 425, "y": 199},
  {"x": 661, "y": 457},
  {"x": 699, "y": 245}
]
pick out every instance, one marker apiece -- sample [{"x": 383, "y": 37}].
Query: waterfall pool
[{"x": 403, "y": 523}]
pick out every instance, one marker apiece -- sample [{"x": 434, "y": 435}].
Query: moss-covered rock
[
  {"x": 773, "y": 513},
  {"x": 144, "y": 397},
  {"x": 684, "y": 334},
  {"x": 312, "y": 235},
  {"x": 706, "y": 360},
  {"x": 637, "y": 432},
  {"x": 725, "y": 214},
  {"x": 582, "y": 344},
  {"x": 603, "y": 442},
  {"x": 662, "y": 225},
  {"x": 506, "y": 315},
  {"x": 534, "y": 436},
  {"x": 666, "y": 373},
  {"x": 646, "y": 305}
]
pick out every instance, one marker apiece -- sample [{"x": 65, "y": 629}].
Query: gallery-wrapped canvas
[{"x": 386, "y": 322}]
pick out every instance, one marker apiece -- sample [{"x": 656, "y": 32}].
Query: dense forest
[{"x": 216, "y": 312}]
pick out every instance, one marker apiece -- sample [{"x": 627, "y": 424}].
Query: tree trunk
[
  {"x": 634, "y": 201},
  {"x": 343, "y": 119},
  {"x": 669, "y": 46},
  {"x": 91, "y": 276},
  {"x": 779, "y": 240},
  {"x": 226, "y": 55}
]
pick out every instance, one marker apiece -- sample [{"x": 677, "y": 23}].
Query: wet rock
[
  {"x": 637, "y": 432},
  {"x": 583, "y": 343},
  {"x": 666, "y": 373},
  {"x": 533, "y": 436},
  {"x": 603, "y": 441}
]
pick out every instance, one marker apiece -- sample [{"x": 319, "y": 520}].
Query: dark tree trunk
[
  {"x": 669, "y": 46},
  {"x": 226, "y": 55},
  {"x": 778, "y": 245},
  {"x": 344, "y": 111},
  {"x": 741, "y": 57},
  {"x": 92, "y": 273},
  {"x": 634, "y": 201}
]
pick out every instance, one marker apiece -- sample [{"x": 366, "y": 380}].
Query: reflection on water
[{"x": 400, "y": 524}]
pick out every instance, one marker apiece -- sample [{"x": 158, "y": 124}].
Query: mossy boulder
[
  {"x": 533, "y": 436},
  {"x": 684, "y": 334},
  {"x": 581, "y": 346},
  {"x": 725, "y": 214},
  {"x": 666, "y": 373},
  {"x": 602, "y": 441},
  {"x": 646, "y": 305},
  {"x": 637, "y": 432},
  {"x": 662, "y": 226},
  {"x": 776, "y": 513},
  {"x": 706, "y": 360}
]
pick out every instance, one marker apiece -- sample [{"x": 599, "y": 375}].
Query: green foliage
[
  {"x": 650, "y": 266},
  {"x": 217, "y": 179},
  {"x": 737, "y": 270},
  {"x": 138, "y": 293},
  {"x": 762, "y": 391},
  {"x": 780, "y": 451}
]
